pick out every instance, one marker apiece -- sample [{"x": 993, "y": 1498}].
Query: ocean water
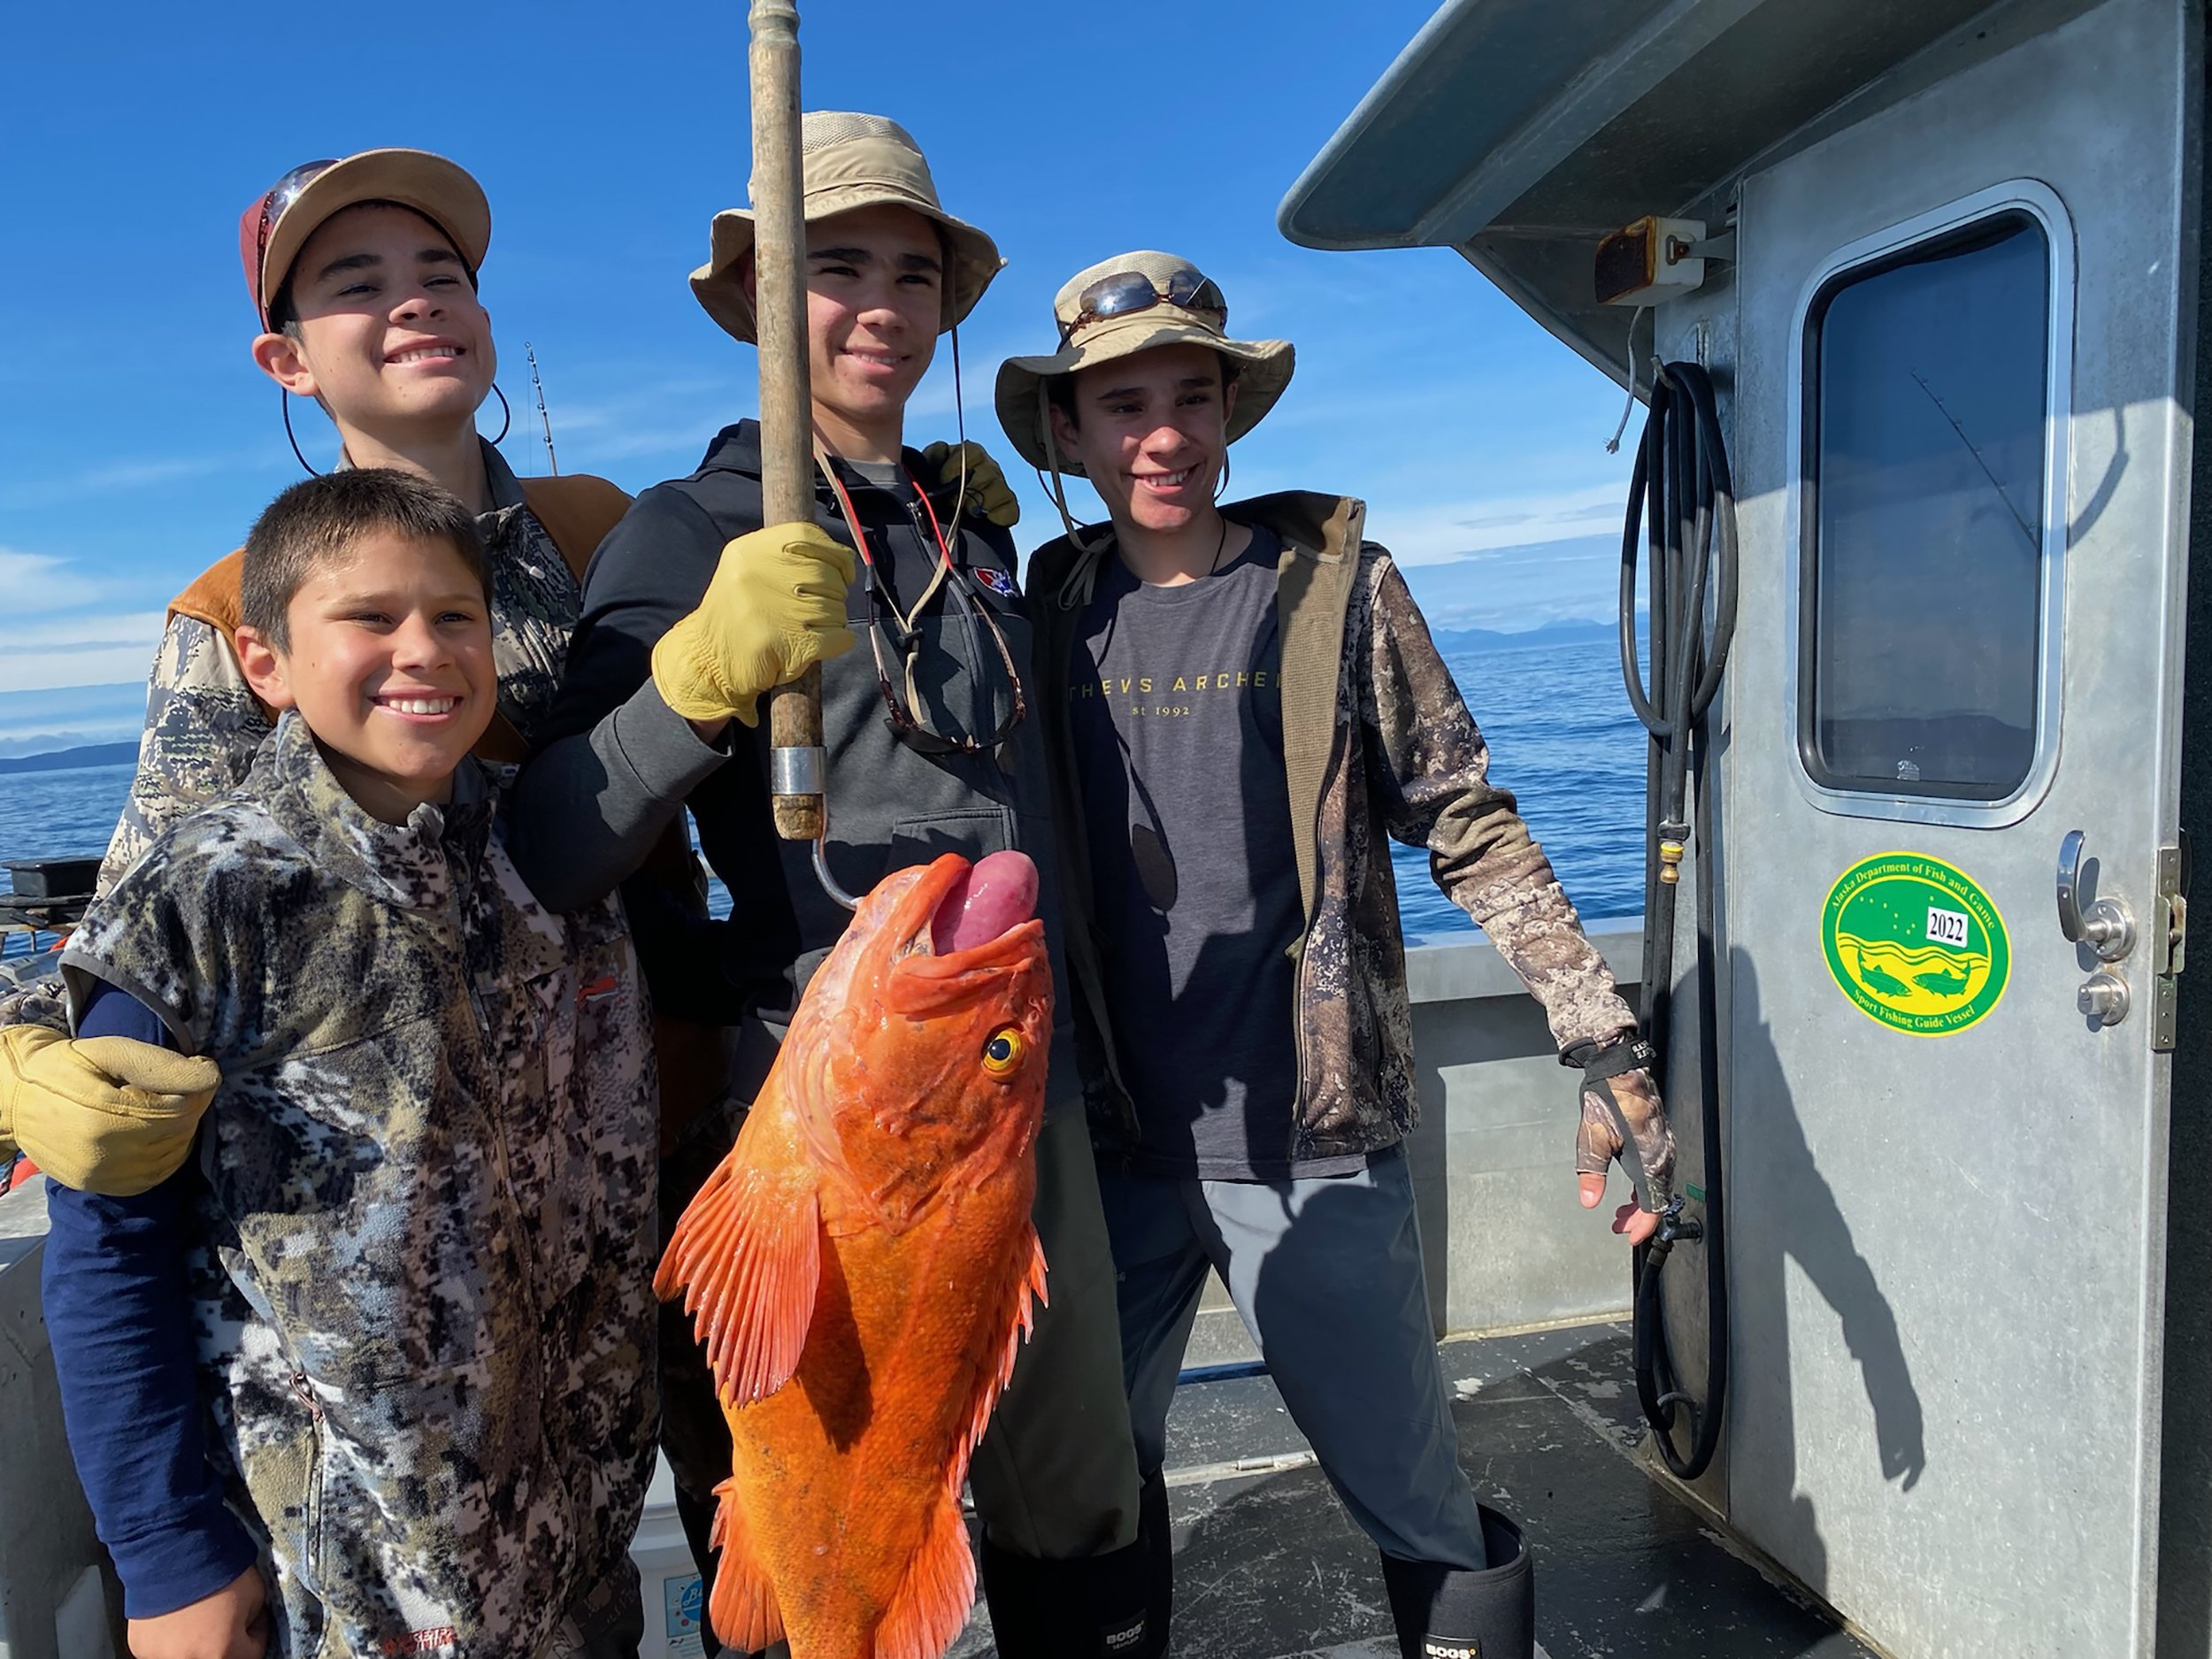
[{"x": 1561, "y": 735}]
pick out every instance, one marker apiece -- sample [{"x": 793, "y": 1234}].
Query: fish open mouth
[{"x": 995, "y": 894}]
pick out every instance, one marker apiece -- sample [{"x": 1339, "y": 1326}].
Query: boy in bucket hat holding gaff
[
  {"x": 935, "y": 746},
  {"x": 1240, "y": 702}
]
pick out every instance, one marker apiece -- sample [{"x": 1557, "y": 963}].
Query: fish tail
[
  {"x": 932, "y": 1602},
  {"x": 744, "y": 1606}
]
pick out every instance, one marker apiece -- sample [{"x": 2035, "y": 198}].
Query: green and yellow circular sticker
[{"x": 1916, "y": 944}]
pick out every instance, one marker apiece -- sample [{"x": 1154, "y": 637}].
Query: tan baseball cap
[
  {"x": 1119, "y": 307},
  {"x": 848, "y": 161},
  {"x": 277, "y": 223}
]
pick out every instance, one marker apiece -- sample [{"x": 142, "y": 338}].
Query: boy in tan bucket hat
[
  {"x": 1241, "y": 704},
  {"x": 936, "y": 747}
]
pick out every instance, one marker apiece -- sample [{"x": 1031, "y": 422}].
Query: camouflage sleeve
[
  {"x": 1431, "y": 770},
  {"x": 155, "y": 933},
  {"x": 202, "y": 726}
]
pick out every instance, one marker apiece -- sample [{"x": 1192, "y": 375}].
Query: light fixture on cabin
[{"x": 1656, "y": 260}]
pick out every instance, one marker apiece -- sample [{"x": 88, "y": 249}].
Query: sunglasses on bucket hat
[{"x": 1125, "y": 293}]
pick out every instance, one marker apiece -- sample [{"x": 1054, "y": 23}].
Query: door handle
[{"x": 2105, "y": 926}]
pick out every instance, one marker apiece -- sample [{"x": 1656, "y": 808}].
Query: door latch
[{"x": 2106, "y": 924}]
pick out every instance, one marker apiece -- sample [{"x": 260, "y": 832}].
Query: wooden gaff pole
[{"x": 797, "y": 761}]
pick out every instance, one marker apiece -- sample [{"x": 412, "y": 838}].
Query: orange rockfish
[{"x": 860, "y": 1265}]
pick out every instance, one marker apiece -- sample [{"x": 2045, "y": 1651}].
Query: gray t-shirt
[{"x": 1176, "y": 714}]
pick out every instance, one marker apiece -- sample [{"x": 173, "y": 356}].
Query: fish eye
[{"x": 1002, "y": 1051}]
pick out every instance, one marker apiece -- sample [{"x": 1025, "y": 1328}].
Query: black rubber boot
[
  {"x": 1091, "y": 1609},
  {"x": 1154, "y": 1532},
  {"x": 1448, "y": 1613}
]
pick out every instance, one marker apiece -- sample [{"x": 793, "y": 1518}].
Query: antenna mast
[{"x": 545, "y": 420}]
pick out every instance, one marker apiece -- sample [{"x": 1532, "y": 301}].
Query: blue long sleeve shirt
[{"x": 117, "y": 1314}]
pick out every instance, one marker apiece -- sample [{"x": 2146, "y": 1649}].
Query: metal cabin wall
[
  {"x": 1944, "y": 1413},
  {"x": 2185, "y": 1516}
]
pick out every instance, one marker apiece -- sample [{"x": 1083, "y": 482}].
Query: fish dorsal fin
[
  {"x": 744, "y": 1607},
  {"x": 933, "y": 1601},
  {"x": 1027, "y": 1299},
  {"x": 746, "y": 1256}
]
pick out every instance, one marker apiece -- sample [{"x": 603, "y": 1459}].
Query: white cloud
[
  {"x": 1572, "y": 578},
  {"x": 148, "y": 473},
  {"x": 1446, "y": 531},
  {"x": 78, "y": 650},
  {"x": 42, "y": 582}
]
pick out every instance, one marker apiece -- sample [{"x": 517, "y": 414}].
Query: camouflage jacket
[
  {"x": 1375, "y": 744},
  {"x": 203, "y": 722},
  {"x": 421, "y": 1250}
]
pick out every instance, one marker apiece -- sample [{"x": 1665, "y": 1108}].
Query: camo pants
[{"x": 607, "y": 1623}]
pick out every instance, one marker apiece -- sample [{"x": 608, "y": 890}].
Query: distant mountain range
[
  {"x": 66, "y": 759},
  {"x": 1470, "y": 641}
]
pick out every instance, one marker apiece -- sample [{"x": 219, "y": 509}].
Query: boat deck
[{"x": 1268, "y": 1566}]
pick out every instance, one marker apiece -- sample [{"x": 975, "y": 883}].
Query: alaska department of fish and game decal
[{"x": 1916, "y": 944}]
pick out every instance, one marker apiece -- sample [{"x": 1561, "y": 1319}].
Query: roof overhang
[{"x": 1520, "y": 132}]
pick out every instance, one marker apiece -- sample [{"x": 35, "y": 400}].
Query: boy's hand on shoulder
[
  {"x": 231, "y": 1623},
  {"x": 989, "y": 495},
  {"x": 775, "y": 607},
  {"x": 106, "y": 1115}
]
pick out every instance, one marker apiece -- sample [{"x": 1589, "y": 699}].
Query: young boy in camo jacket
[{"x": 396, "y": 1393}]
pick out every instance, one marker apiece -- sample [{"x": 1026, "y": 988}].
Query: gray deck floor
[{"x": 1269, "y": 1567}]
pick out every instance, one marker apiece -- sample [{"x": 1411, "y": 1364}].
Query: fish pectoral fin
[
  {"x": 744, "y": 1606},
  {"x": 748, "y": 1255},
  {"x": 932, "y": 1600}
]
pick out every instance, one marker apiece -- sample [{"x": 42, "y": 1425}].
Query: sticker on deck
[
  {"x": 1916, "y": 944},
  {"x": 683, "y": 1603}
]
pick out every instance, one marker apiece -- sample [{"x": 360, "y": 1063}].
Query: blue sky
[{"x": 137, "y": 440}]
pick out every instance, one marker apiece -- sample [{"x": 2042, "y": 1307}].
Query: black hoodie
[{"x": 889, "y": 805}]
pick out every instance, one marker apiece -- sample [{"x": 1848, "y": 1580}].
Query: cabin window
[{"x": 1927, "y": 393}]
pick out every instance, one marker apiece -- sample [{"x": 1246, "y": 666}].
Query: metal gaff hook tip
[{"x": 829, "y": 881}]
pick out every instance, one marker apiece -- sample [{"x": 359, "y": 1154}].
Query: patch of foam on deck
[{"x": 1387, "y": 1650}]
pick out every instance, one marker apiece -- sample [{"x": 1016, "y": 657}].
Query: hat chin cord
[
  {"x": 1056, "y": 485},
  {"x": 507, "y": 419},
  {"x": 284, "y": 402}
]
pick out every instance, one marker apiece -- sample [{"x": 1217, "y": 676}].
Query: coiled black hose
[{"x": 1682, "y": 501}]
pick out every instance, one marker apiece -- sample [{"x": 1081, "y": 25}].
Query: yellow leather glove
[
  {"x": 775, "y": 607},
  {"x": 107, "y": 1115},
  {"x": 988, "y": 492}
]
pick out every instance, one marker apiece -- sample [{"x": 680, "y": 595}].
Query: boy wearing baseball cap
[
  {"x": 1240, "y": 703},
  {"x": 933, "y": 737},
  {"x": 362, "y": 273}
]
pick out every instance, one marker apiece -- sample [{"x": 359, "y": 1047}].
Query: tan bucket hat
[
  {"x": 1118, "y": 308},
  {"x": 278, "y": 222},
  {"x": 846, "y": 161}
]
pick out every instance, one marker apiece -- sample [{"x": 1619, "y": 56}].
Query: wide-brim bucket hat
[
  {"x": 277, "y": 223},
  {"x": 848, "y": 161},
  {"x": 1105, "y": 313}
]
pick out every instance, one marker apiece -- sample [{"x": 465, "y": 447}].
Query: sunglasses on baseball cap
[{"x": 277, "y": 223}]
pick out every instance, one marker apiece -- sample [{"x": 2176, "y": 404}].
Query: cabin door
[{"x": 1949, "y": 840}]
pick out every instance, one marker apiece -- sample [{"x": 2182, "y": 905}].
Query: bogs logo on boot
[{"x": 1432, "y": 1648}]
